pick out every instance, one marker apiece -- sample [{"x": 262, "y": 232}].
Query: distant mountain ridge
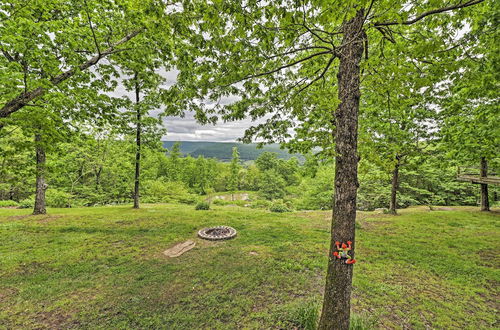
[{"x": 223, "y": 150}]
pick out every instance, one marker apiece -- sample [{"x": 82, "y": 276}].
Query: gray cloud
[{"x": 186, "y": 128}]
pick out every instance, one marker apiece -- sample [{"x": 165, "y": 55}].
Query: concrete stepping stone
[{"x": 179, "y": 249}]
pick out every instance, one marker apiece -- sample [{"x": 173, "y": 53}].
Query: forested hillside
[
  {"x": 90, "y": 169},
  {"x": 223, "y": 150}
]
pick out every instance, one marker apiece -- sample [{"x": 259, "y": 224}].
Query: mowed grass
[{"x": 103, "y": 268}]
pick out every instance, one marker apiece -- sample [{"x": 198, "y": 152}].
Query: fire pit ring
[{"x": 217, "y": 233}]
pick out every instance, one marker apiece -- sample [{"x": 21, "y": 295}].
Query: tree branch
[
  {"x": 92, "y": 27},
  {"x": 281, "y": 67},
  {"x": 318, "y": 77},
  {"x": 296, "y": 50},
  {"x": 308, "y": 29},
  {"x": 24, "y": 98},
  {"x": 8, "y": 56},
  {"x": 24, "y": 5},
  {"x": 430, "y": 12},
  {"x": 369, "y": 10}
]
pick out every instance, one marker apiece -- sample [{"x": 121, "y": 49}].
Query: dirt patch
[
  {"x": 179, "y": 249},
  {"x": 19, "y": 217},
  {"x": 43, "y": 218},
  {"x": 489, "y": 258},
  {"x": 55, "y": 320},
  {"x": 31, "y": 267},
  {"x": 47, "y": 219},
  {"x": 443, "y": 209},
  {"x": 368, "y": 225},
  {"x": 5, "y": 293},
  {"x": 313, "y": 214},
  {"x": 492, "y": 299}
]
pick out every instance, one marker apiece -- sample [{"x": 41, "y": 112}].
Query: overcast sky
[{"x": 187, "y": 129}]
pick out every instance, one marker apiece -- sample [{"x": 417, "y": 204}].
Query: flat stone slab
[{"x": 179, "y": 249}]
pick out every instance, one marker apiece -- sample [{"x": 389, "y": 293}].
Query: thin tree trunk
[
  {"x": 485, "y": 202},
  {"x": 138, "y": 146},
  {"x": 337, "y": 299},
  {"x": 41, "y": 186},
  {"x": 98, "y": 178},
  {"x": 394, "y": 187}
]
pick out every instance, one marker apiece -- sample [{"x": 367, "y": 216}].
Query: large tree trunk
[
  {"x": 138, "y": 146},
  {"x": 337, "y": 299},
  {"x": 394, "y": 187},
  {"x": 41, "y": 186},
  {"x": 485, "y": 202}
]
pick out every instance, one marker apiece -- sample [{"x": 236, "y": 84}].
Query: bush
[
  {"x": 187, "y": 199},
  {"x": 219, "y": 202},
  {"x": 279, "y": 207},
  {"x": 202, "y": 206},
  {"x": 225, "y": 202},
  {"x": 272, "y": 185},
  {"x": 317, "y": 193},
  {"x": 58, "y": 198},
  {"x": 157, "y": 191},
  {"x": 260, "y": 204},
  {"x": 7, "y": 203},
  {"x": 27, "y": 203}
]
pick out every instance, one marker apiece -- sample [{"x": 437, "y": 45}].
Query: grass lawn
[{"x": 104, "y": 268}]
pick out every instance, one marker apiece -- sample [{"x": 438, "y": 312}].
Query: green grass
[{"x": 104, "y": 268}]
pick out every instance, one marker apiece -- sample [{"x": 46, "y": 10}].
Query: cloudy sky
[{"x": 187, "y": 129}]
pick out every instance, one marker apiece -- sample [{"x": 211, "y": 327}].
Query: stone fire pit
[{"x": 217, "y": 233}]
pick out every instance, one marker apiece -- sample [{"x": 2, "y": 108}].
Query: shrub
[
  {"x": 289, "y": 204},
  {"x": 157, "y": 191},
  {"x": 202, "y": 206},
  {"x": 27, "y": 203},
  {"x": 317, "y": 193},
  {"x": 187, "y": 199},
  {"x": 260, "y": 204},
  {"x": 280, "y": 207},
  {"x": 224, "y": 202},
  {"x": 272, "y": 185},
  {"x": 219, "y": 202},
  {"x": 58, "y": 198},
  {"x": 6, "y": 203}
]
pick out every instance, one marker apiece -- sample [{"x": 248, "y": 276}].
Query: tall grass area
[{"x": 103, "y": 268}]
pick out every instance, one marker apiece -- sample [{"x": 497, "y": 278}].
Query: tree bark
[
  {"x": 41, "y": 185},
  {"x": 485, "y": 202},
  {"x": 138, "y": 146},
  {"x": 394, "y": 187},
  {"x": 98, "y": 178},
  {"x": 337, "y": 299}
]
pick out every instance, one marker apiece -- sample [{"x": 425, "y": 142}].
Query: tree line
[
  {"x": 321, "y": 74},
  {"x": 91, "y": 169}
]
